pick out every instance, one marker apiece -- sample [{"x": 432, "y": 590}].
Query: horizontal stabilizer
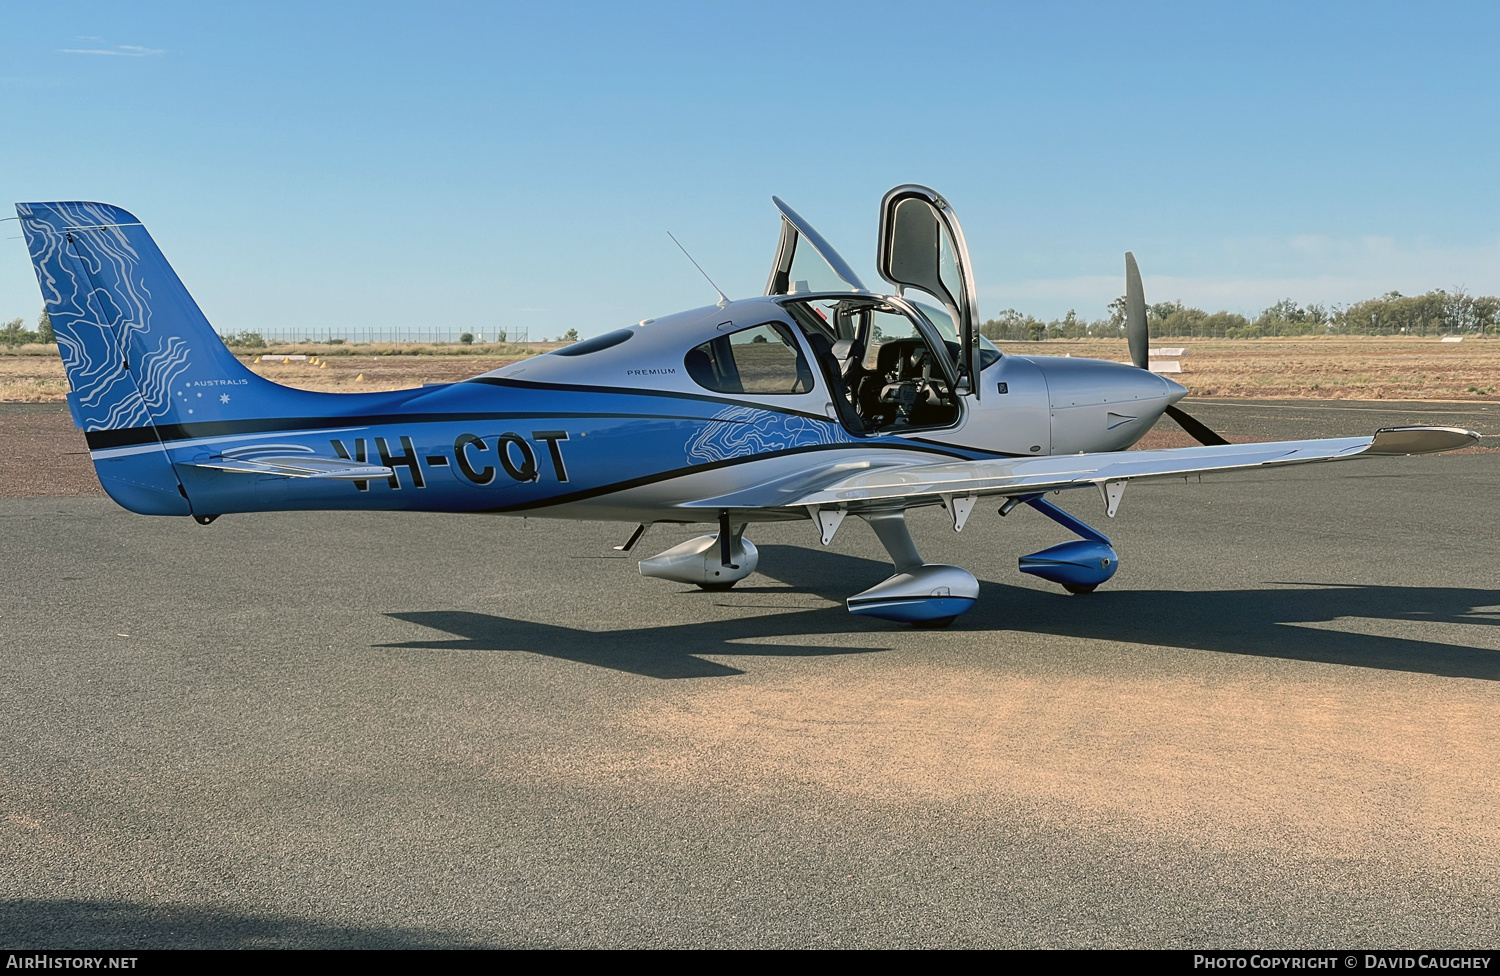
[{"x": 298, "y": 466}]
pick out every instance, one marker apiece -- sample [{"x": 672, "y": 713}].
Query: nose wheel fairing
[{"x": 1078, "y": 566}]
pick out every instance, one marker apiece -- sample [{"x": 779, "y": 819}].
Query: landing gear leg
[
  {"x": 731, "y": 541},
  {"x": 890, "y": 528},
  {"x": 920, "y": 594}
]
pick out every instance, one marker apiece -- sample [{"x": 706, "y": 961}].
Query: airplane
[{"x": 814, "y": 401}]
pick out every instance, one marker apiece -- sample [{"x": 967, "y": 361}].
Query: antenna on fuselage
[{"x": 723, "y": 298}]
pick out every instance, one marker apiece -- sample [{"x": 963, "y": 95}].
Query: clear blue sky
[{"x": 485, "y": 165}]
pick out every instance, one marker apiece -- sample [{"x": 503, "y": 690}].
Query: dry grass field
[
  {"x": 1332, "y": 367},
  {"x": 32, "y": 374},
  {"x": 1362, "y": 368}
]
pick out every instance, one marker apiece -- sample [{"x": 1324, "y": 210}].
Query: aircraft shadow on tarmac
[
  {"x": 80, "y": 924},
  {"x": 654, "y": 652},
  {"x": 1259, "y": 622}
]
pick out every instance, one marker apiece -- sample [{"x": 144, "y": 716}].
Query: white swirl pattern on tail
[{"x": 101, "y": 311}]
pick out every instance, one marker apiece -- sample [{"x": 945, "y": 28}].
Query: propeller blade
[
  {"x": 1199, "y": 432},
  {"x": 1135, "y": 314},
  {"x": 1140, "y": 349}
]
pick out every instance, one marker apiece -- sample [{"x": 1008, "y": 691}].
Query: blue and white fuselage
[{"x": 622, "y": 433}]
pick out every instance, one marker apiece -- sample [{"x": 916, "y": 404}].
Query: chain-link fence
[{"x": 383, "y": 335}]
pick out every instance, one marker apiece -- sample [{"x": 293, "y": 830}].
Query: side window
[{"x": 764, "y": 359}]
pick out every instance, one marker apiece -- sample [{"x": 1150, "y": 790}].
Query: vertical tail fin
[
  {"x": 129, "y": 333},
  {"x": 137, "y": 350}
]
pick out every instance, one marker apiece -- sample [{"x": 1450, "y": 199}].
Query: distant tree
[
  {"x": 1117, "y": 313},
  {"x": 15, "y": 333},
  {"x": 570, "y": 336},
  {"x": 248, "y": 340},
  {"x": 1433, "y": 313},
  {"x": 467, "y": 338},
  {"x": 1011, "y": 326},
  {"x": 1164, "y": 310},
  {"x": 44, "y": 328},
  {"x": 1222, "y": 325},
  {"x": 1287, "y": 318},
  {"x": 1487, "y": 313},
  {"x": 1070, "y": 327},
  {"x": 1437, "y": 312}
]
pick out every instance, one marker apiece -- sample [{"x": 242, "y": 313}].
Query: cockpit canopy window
[
  {"x": 595, "y": 344},
  {"x": 805, "y": 262},
  {"x": 810, "y": 271},
  {"x": 842, "y": 319},
  {"x": 761, "y": 360},
  {"x": 988, "y": 353}
]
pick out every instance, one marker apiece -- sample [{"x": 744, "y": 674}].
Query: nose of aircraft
[
  {"x": 1086, "y": 382},
  {"x": 1103, "y": 406}
]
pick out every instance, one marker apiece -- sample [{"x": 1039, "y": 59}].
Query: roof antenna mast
[{"x": 723, "y": 298}]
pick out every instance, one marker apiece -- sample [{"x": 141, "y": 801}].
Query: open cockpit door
[
  {"x": 922, "y": 247},
  {"x": 805, "y": 262}
]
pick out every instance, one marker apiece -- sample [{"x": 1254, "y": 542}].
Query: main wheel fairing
[{"x": 926, "y": 594}]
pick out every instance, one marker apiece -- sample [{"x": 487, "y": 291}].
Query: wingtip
[{"x": 1421, "y": 440}]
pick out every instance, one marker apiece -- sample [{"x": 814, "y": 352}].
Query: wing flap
[
  {"x": 925, "y": 483},
  {"x": 298, "y": 466}
]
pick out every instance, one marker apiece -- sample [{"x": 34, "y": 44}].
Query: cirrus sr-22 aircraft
[{"x": 817, "y": 400}]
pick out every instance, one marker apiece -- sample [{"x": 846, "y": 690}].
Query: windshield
[{"x": 988, "y": 352}]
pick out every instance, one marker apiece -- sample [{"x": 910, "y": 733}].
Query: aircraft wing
[
  {"x": 918, "y": 484},
  {"x": 298, "y": 466}
]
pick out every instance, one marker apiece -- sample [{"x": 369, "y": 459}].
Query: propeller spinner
[{"x": 1139, "y": 337}]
